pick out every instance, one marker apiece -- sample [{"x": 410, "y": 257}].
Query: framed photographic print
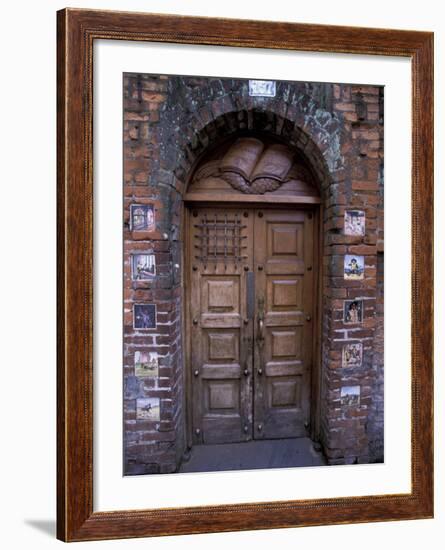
[{"x": 231, "y": 314}]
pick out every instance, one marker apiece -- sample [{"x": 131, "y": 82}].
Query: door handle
[
  {"x": 260, "y": 329},
  {"x": 246, "y": 371},
  {"x": 250, "y": 296},
  {"x": 260, "y": 336}
]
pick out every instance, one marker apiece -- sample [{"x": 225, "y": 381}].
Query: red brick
[
  {"x": 365, "y": 186},
  {"x": 343, "y": 106},
  {"x": 362, "y": 249}
]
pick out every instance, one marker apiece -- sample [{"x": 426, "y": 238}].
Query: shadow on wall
[{"x": 46, "y": 526}]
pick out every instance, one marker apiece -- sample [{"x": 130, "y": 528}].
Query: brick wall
[
  {"x": 375, "y": 419},
  {"x": 151, "y": 446},
  {"x": 346, "y": 429},
  {"x": 168, "y": 123}
]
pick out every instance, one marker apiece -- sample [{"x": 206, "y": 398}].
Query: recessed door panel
[
  {"x": 283, "y": 343},
  {"x": 285, "y": 292},
  {"x": 223, "y": 346},
  {"x": 285, "y": 392},
  {"x": 221, "y": 294}
]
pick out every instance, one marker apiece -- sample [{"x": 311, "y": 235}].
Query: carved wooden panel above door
[{"x": 253, "y": 166}]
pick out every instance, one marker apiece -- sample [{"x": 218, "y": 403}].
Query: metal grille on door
[{"x": 219, "y": 238}]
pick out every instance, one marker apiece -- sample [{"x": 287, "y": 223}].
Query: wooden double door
[{"x": 251, "y": 286}]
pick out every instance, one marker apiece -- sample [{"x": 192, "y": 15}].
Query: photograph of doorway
[{"x": 251, "y": 186}]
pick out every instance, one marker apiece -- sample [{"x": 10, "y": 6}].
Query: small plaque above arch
[{"x": 252, "y": 169}]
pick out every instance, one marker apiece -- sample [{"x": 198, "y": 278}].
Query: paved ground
[{"x": 273, "y": 453}]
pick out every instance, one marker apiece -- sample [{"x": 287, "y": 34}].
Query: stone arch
[
  {"x": 309, "y": 135},
  {"x": 321, "y": 154},
  {"x": 194, "y": 118}
]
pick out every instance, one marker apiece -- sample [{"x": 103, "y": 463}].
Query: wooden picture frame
[{"x": 77, "y": 31}]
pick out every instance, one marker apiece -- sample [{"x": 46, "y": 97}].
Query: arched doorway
[
  {"x": 251, "y": 284},
  {"x": 167, "y": 143}
]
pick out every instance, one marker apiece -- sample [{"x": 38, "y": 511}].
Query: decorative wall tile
[
  {"x": 146, "y": 364},
  {"x": 142, "y": 217},
  {"x": 354, "y": 267},
  {"x": 144, "y": 316},
  {"x": 353, "y": 312},
  {"x": 350, "y": 395},
  {"x": 352, "y": 355},
  {"x": 355, "y": 222},
  {"x": 143, "y": 267},
  {"x": 148, "y": 408}
]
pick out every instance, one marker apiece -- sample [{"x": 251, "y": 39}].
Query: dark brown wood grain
[{"x": 77, "y": 30}]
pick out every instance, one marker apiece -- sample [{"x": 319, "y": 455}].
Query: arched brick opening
[
  {"x": 311, "y": 143},
  {"x": 317, "y": 156}
]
